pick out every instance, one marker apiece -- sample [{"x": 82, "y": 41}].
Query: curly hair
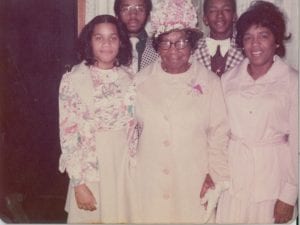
[
  {"x": 117, "y": 5},
  {"x": 265, "y": 14},
  {"x": 192, "y": 35},
  {"x": 84, "y": 48}
]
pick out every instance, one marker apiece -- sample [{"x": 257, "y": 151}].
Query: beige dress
[
  {"x": 183, "y": 137},
  {"x": 95, "y": 108}
]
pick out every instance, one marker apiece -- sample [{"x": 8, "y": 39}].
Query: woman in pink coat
[{"x": 262, "y": 100}]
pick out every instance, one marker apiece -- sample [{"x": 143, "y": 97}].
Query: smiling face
[
  {"x": 175, "y": 60},
  {"x": 220, "y": 17},
  {"x": 133, "y": 15},
  {"x": 105, "y": 44},
  {"x": 259, "y": 46}
]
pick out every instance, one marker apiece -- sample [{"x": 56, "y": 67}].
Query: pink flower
[
  {"x": 198, "y": 88},
  {"x": 72, "y": 129}
]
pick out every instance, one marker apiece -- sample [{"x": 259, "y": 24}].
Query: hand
[
  {"x": 211, "y": 198},
  {"x": 283, "y": 212},
  {"x": 207, "y": 184},
  {"x": 84, "y": 198}
]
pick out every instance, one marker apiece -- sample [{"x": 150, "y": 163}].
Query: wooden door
[{"x": 36, "y": 45}]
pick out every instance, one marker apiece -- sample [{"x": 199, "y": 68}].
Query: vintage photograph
[{"x": 149, "y": 111}]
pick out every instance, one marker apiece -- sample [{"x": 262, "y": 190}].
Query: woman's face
[
  {"x": 259, "y": 46},
  {"x": 105, "y": 43},
  {"x": 174, "y": 60}
]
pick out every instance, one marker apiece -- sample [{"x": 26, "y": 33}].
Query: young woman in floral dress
[{"x": 95, "y": 109}]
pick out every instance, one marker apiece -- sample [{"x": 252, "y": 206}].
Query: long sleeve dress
[
  {"x": 183, "y": 136},
  {"x": 263, "y": 150},
  {"x": 95, "y": 107}
]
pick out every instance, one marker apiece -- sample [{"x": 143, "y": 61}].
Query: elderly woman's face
[
  {"x": 259, "y": 46},
  {"x": 175, "y": 52}
]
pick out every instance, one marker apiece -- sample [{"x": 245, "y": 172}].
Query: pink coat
[{"x": 263, "y": 115}]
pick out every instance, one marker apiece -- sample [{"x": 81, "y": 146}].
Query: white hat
[{"x": 173, "y": 14}]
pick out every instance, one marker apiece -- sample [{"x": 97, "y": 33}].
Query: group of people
[{"x": 177, "y": 127}]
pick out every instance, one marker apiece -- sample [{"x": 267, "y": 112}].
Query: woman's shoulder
[
  {"x": 236, "y": 71},
  {"x": 125, "y": 72},
  {"x": 293, "y": 73},
  {"x": 282, "y": 69},
  {"x": 147, "y": 72},
  {"x": 77, "y": 70},
  {"x": 293, "y": 78},
  {"x": 77, "y": 79},
  {"x": 203, "y": 73}
]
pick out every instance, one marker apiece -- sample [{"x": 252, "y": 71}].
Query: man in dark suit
[
  {"x": 218, "y": 51},
  {"x": 134, "y": 15}
]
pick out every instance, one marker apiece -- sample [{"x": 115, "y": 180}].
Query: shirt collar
[{"x": 212, "y": 45}]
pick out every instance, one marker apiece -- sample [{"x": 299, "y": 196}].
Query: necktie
[
  {"x": 134, "y": 65},
  {"x": 212, "y": 45},
  {"x": 218, "y": 62}
]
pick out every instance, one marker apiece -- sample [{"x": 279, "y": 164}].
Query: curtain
[{"x": 97, "y": 7}]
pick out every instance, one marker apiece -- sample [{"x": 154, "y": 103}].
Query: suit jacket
[
  {"x": 234, "y": 57},
  {"x": 149, "y": 55}
]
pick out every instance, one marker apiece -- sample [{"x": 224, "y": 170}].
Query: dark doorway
[{"x": 36, "y": 46}]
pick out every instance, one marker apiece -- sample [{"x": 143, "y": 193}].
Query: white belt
[{"x": 275, "y": 140}]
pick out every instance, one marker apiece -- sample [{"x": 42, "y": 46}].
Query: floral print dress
[{"x": 94, "y": 113}]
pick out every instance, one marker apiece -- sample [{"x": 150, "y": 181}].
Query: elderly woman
[
  {"x": 261, "y": 95},
  {"x": 182, "y": 123}
]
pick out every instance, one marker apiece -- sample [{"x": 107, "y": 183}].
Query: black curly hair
[
  {"x": 84, "y": 48},
  {"x": 264, "y": 14}
]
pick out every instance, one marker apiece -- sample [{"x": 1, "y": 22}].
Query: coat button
[
  {"x": 167, "y": 143},
  {"x": 166, "y": 196},
  {"x": 166, "y": 171}
]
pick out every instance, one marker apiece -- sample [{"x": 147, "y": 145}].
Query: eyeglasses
[
  {"x": 130, "y": 8},
  {"x": 181, "y": 44}
]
